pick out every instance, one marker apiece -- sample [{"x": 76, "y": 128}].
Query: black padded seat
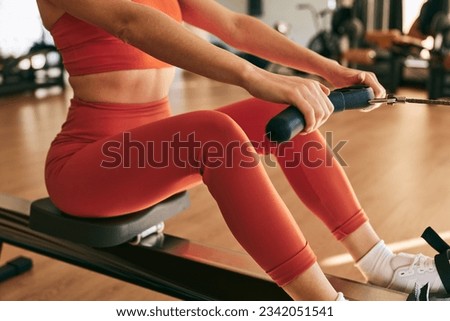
[{"x": 102, "y": 232}]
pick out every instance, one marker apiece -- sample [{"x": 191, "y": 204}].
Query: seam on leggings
[
  {"x": 287, "y": 271},
  {"x": 350, "y": 225}
]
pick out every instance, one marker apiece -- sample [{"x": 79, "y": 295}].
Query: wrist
[
  {"x": 248, "y": 76},
  {"x": 329, "y": 69}
]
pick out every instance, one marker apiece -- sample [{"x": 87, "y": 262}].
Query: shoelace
[{"x": 423, "y": 263}]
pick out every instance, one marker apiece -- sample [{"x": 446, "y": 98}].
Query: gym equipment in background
[
  {"x": 439, "y": 65},
  {"x": 41, "y": 67},
  {"x": 373, "y": 51},
  {"x": 326, "y": 41}
]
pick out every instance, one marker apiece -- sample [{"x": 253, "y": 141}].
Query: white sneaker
[{"x": 414, "y": 270}]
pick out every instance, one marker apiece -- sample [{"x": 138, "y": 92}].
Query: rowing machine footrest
[{"x": 102, "y": 232}]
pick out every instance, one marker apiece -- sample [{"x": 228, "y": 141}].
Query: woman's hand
[
  {"x": 309, "y": 96},
  {"x": 343, "y": 77}
]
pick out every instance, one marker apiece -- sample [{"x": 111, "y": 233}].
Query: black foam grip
[{"x": 290, "y": 121}]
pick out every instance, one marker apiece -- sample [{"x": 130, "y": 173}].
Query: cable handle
[{"x": 290, "y": 121}]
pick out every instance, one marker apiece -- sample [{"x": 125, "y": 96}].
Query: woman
[{"x": 120, "y": 95}]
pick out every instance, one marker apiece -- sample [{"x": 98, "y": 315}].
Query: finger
[
  {"x": 325, "y": 89},
  {"x": 316, "y": 99},
  {"x": 371, "y": 80},
  {"x": 327, "y": 92},
  {"x": 314, "y": 104},
  {"x": 310, "y": 117},
  {"x": 302, "y": 102},
  {"x": 325, "y": 104},
  {"x": 379, "y": 91}
]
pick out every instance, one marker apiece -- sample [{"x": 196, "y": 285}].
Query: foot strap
[
  {"x": 442, "y": 259},
  {"x": 420, "y": 293}
]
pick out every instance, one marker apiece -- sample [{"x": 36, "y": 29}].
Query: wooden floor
[{"x": 398, "y": 159}]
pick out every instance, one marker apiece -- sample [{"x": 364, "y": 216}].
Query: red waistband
[
  {"x": 90, "y": 121},
  {"x": 126, "y": 107}
]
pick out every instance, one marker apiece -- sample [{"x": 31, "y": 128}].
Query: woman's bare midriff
[{"x": 125, "y": 86}]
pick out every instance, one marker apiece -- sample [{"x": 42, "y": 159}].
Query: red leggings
[{"x": 112, "y": 159}]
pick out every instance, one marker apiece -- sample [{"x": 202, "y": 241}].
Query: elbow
[
  {"x": 122, "y": 31},
  {"x": 235, "y": 35},
  {"x": 123, "y": 27}
]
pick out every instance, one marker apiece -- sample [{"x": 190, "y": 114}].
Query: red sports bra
[{"x": 87, "y": 49}]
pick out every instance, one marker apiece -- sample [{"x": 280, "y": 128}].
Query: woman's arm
[{"x": 251, "y": 35}]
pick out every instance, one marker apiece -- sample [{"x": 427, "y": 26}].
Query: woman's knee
[
  {"x": 221, "y": 142},
  {"x": 217, "y": 126}
]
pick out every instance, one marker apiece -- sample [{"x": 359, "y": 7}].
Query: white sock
[
  {"x": 340, "y": 297},
  {"x": 376, "y": 265}
]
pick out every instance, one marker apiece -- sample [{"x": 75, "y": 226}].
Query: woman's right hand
[{"x": 309, "y": 96}]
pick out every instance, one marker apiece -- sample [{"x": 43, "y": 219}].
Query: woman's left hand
[{"x": 344, "y": 77}]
